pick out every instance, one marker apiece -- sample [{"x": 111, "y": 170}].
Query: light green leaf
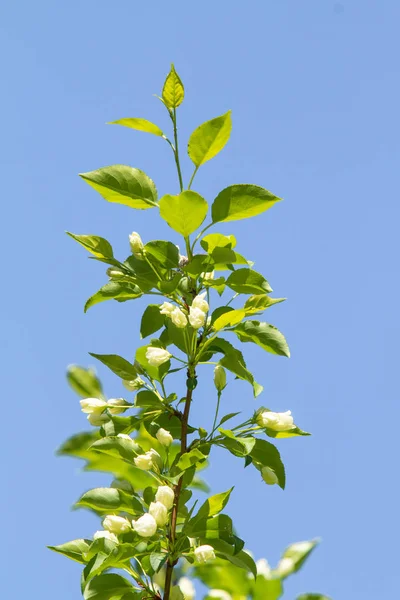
[
  {"x": 188, "y": 459},
  {"x": 156, "y": 373},
  {"x": 165, "y": 253},
  {"x": 139, "y": 125},
  {"x": 214, "y": 528},
  {"x": 79, "y": 445},
  {"x": 236, "y": 445},
  {"x": 247, "y": 281},
  {"x": 152, "y": 320},
  {"x": 228, "y": 319},
  {"x": 240, "y": 559},
  {"x": 241, "y": 201},
  {"x": 298, "y": 553},
  {"x": 123, "y": 185},
  {"x": 212, "y": 506},
  {"x": 217, "y": 240},
  {"x": 84, "y": 382},
  {"x": 110, "y": 500},
  {"x": 267, "y": 589},
  {"x": 185, "y": 212},
  {"x": 173, "y": 90},
  {"x": 264, "y": 335},
  {"x": 74, "y": 549},
  {"x": 222, "y": 575},
  {"x": 107, "y": 587},
  {"x": 260, "y": 302},
  {"x": 95, "y": 244},
  {"x": 209, "y": 138},
  {"x": 117, "y": 364},
  {"x": 120, "y": 291},
  {"x": 267, "y": 455},
  {"x": 113, "y": 445},
  {"x": 146, "y": 399}
]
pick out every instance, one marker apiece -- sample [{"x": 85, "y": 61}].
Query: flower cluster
[
  {"x": 196, "y": 316},
  {"x": 95, "y": 409}
]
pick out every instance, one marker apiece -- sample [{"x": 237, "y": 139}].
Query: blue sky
[{"x": 314, "y": 89}]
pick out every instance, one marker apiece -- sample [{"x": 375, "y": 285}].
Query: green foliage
[{"x": 152, "y": 518}]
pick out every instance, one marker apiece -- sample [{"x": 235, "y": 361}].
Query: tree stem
[{"x": 178, "y": 488}]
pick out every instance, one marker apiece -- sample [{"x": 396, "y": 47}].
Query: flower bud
[
  {"x": 145, "y": 526},
  {"x": 207, "y": 276},
  {"x": 183, "y": 261},
  {"x": 275, "y": 421},
  {"x": 204, "y": 553},
  {"x": 166, "y": 496},
  {"x": 98, "y": 420},
  {"x": 187, "y": 588},
  {"x": 219, "y": 595},
  {"x": 144, "y": 461},
  {"x": 196, "y": 317},
  {"x": 114, "y": 273},
  {"x": 164, "y": 437},
  {"x": 157, "y": 356},
  {"x": 106, "y": 535},
  {"x": 219, "y": 378},
  {"x": 269, "y": 475},
  {"x": 116, "y": 524},
  {"x": 136, "y": 245},
  {"x": 120, "y": 406},
  {"x": 201, "y": 303},
  {"x": 263, "y": 568},
  {"x": 159, "y": 512},
  {"x": 93, "y": 405},
  {"x": 166, "y": 308},
  {"x": 178, "y": 318},
  {"x": 176, "y": 593},
  {"x": 134, "y": 385}
]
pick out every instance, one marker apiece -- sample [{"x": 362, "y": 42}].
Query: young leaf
[
  {"x": 260, "y": 302},
  {"x": 152, "y": 320},
  {"x": 107, "y": 587},
  {"x": 209, "y": 138},
  {"x": 217, "y": 240},
  {"x": 188, "y": 459},
  {"x": 117, "y": 364},
  {"x": 84, "y": 382},
  {"x": 212, "y": 506},
  {"x": 264, "y": 335},
  {"x": 241, "y": 201},
  {"x": 185, "y": 212},
  {"x": 247, "y": 281},
  {"x": 95, "y": 244},
  {"x": 120, "y": 291},
  {"x": 139, "y": 125},
  {"x": 74, "y": 550},
  {"x": 173, "y": 90},
  {"x": 123, "y": 185},
  {"x": 228, "y": 319}
]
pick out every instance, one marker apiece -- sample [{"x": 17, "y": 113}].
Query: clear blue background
[{"x": 314, "y": 89}]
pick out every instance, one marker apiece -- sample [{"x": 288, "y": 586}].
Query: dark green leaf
[
  {"x": 247, "y": 281},
  {"x": 107, "y": 587},
  {"x": 106, "y": 500},
  {"x": 152, "y": 320},
  {"x": 114, "y": 290},
  {"x": 263, "y": 334},
  {"x": 165, "y": 253},
  {"x": 74, "y": 549},
  {"x": 267, "y": 455},
  {"x": 118, "y": 365}
]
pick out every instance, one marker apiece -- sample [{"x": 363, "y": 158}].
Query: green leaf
[
  {"x": 114, "y": 290},
  {"x": 74, "y": 550},
  {"x": 139, "y": 125},
  {"x": 264, "y": 335},
  {"x": 173, "y": 90},
  {"x": 237, "y": 446},
  {"x": 146, "y": 399},
  {"x": 217, "y": 240},
  {"x": 117, "y": 425},
  {"x": 298, "y": 553},
  {"x": 267, "y": 589},
  {"x": 117, "y": 364},
  {"x": 106, "y": 500},
  {"x": 165, "y": 253},
  {"x": 79, "y": 444},
  {"x": 209, "y": 138},
  {"x": 313, "y": 597},
  {"x": 240, "y": 559},
  {"x": 228, "y": 319},
  {"x": 185, "y": 212},
  {"x": 84, "y": 382},
  {"x": 260, "y": 302},
  {"x": 152, "y": 320},
  {"x": 117, "y": 447},
  {"x": 107, "y": 587},
  {"x": 267, "y": 455},
  {"x": 241, "y": 201},
  {"x": 123, "y": 185},
  {"x": 214, "y": 528},
  {"x": 188, "y": 459},
  {"x": 247, "y": 281},
  {"x": 95, "y": 244},
  {"x": 233, "y": 361},
  {"x": 222, "y": 575},
  {"x": 212, "y": 506}
]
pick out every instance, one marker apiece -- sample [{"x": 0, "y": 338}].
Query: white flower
[
  {"x": 98, "y": 420},
  {"x": 166, "y": 308},
  {"x": 178, "y": 318},
  {"x": 196, "y": 317},
  {"x": 164, "y": 437},
  {"x": 145, "y": 526},
  {"x": 187, "y": 588},
  {"x": 276, "y": 421},
  {"x": 263, "y": 568},
  {"x": 219, "y": 378},
  {"x": 116, "y": 524},
  {"x": 176, "y": 593},
  {"x": 269, "y": 475},
  {"x": 199, "y": 302},
  {"x": 144, "y": 461},
  {"x": 220, "y": 594},
  {"x": 107, "y": 535},
  {"x": 166, "y": 496},
  {"x": 119, "y": 404},
  {"x": 134, "y": 385},
  {"x": 136, "y": 244},
  {"x": 159, "y": 512},
  {"x": 204, "y": 553},
  {"x": 285, "y": 566},
  {"x": 157, "y": 356},
  {"x": 93, "y": 405}
]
